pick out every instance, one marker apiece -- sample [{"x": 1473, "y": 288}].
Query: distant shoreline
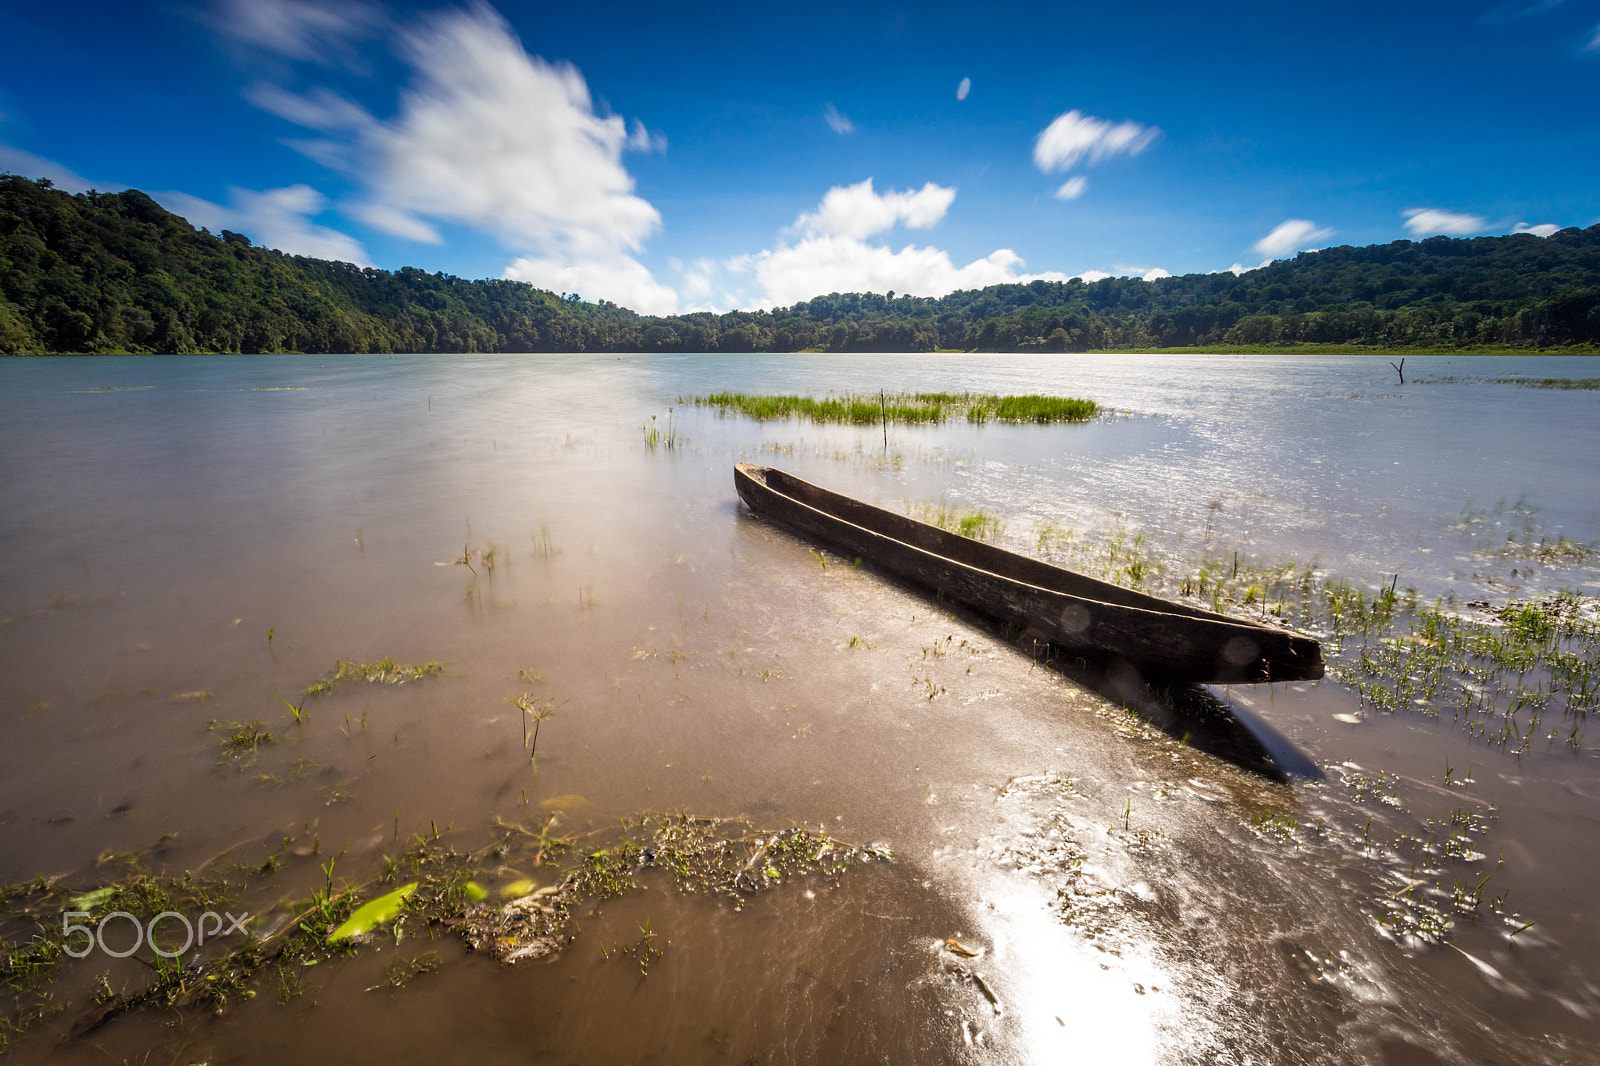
[
  {"x": 1308, "y": 349},
  {"x": 117, "y": 273}
]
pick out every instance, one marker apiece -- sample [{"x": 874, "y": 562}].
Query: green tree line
[{"x": 115, "y": 272}]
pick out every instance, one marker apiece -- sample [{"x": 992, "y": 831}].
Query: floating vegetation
[
  {"x": 906, "y": 408},
  {"x": 491, "y": 898},
  {"x": 370, "y": 915}
]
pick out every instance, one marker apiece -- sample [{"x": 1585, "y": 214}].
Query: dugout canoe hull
[{"x": 1082, "y": 615}]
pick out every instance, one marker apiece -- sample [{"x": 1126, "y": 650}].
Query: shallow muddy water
[{"x": 188, "y": 540}]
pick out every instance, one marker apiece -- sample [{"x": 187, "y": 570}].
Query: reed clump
[{"x": 903, "y": 408}]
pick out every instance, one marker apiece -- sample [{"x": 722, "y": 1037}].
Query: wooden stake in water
[{"x": 883, "y": 405}]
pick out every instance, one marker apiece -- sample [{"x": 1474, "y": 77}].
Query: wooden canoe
[{"x": 1086, "y": 617}]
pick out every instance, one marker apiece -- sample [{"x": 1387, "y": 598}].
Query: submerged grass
[
  {"x": 977, "y": 524},
  {"x": 1550, "y": 383},
  {"x": 383, "y": 672},
  {"x": 1526, "y": 383},
  {"x": 240, "y": 741},
  {"x": 444, "y": 894},
  {"x": 915, "y": 408},
  {"x": 1525, "y": 671}
]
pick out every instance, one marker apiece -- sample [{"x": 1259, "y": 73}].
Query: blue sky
[{"x": 674, "y": 158}]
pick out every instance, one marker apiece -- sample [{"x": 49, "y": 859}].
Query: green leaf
[
  {"x": 90, "y": 900},
  {"x": 373, "y": 914},
  {"x": 475, "y": 891}
]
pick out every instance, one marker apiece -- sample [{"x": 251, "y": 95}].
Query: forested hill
[{"x": 114, "y": 272}]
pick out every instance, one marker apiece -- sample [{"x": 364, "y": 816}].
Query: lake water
[{"x": 1125, "y": 894}]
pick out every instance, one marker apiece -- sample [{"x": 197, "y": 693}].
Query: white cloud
[
  {"x": 1512, "y": 10},
  {"x": 490, "y": 137},
  {"x": 1072, "y": 188},
  {"x": 833, "y": 255},
  {"x": 825, "y": 264},
  {"x": 837, "y": 122},
  {"x": 32, "y": 166},
  {"x": 644, "y": 140},
  {"x": 1239, "y": 269},
  {"x": 399, "y": 223},
  {"x": 320, "y": 109},
  {"x": 1074, "y": 136},
  {"x": 857, "y": 211},
  {"x": 1424, "y": 221},
  {"x": 486, "y": 136},
  {"x": 1156, "y": 272},
  {"x": 619, "y": 278},
  {"x": 964, "y": 88},
  {"x": 314, "y": 30},
  {"x": 1594, "y": 42},
  {"x": 494, "y": 138},
  {"x": 1290, "y": 236},
  {"x": 697, "y": 278},
  {"x": 1089, "y": 277},
  {"x": 1544, "y": 229},
  {"x": 276, "y": 218}
]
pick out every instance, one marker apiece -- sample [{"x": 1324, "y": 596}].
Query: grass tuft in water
[
  {"x": 240, "y": 740},
  {"x": 916, "y": 408},
  {"x": 383, "y": 672},
  {"x": 977, "y": 524},
  {"x": 662, "y": 435}
]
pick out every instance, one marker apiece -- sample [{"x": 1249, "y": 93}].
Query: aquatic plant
[
  {"x": 1505, "y": 675},
  {"x": 446, "y": 891},
  {"x": 534, "y": 709},
  {"x": 977, "y": 524},
  {"x": 660, "y": 436},
  {"x": 1550, "y": 383},
  {"x": 543, "y": 546},
  {"x": 240, "y": 740},
  {"x": 918, "y": 408},
  {"x": 385, "y": 671}
]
